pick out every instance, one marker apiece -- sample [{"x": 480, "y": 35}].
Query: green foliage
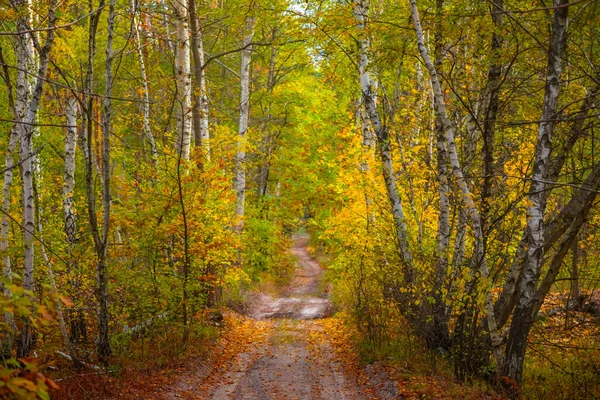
[
  {"x": 264, "y": 251},
  {"x": 306, "y": 164}
]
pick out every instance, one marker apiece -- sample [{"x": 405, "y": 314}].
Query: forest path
[
  {"x": 305, "y": 298},
  {"x": 287, "y": 352}
]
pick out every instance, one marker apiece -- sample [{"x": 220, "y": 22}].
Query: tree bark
[
  {"x": 575, "y": 292},
  {"x": 470, "y": 208},
  {"x": 556, "y": 227},
  {"x": 23, "y": 51},
  {"x": 146, "y": 92},
  {"x": 27, "y": 335},
  {"x": 103, "y": 344},
  {"x": 104, "y": 350},
  {"x": 522, "y": 318},
  {"x": 70, "y": 223},
  {"x": 440, "y": 334},
  {"x": 240, "y": 171},
  {"x": 266, "y": 145},
  {"x": 184, "y": 83},
  {"x": 200, "y": 95},
  {"x": 361, "y": 9}
]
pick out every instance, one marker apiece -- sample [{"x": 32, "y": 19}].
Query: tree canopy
[{"x": 158, "y": 155}]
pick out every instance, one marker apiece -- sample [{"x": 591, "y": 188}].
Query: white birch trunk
[
  {"x": 440, "y": 320},
  {"x": 23, "y": 51},
  {"x": 200, "y": 96},
  {"x": 204, "y": 132},
  {"x": 537, "y": 199},
  {"x": 360, "y": 12},
  {"x": 26, "y": 342},
  {"x": 69, "y": 176},
  {"x": 184, "y": 82},
  {"x": 470, "y": 208},
  {"x": 146, "y": 92},
  {"x": 240, "y": 171}
]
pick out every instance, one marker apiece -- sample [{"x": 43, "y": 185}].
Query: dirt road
[
  {"x": 293, "y": 359},
  {"x": 287, "y": 365},
  {"x": 305, "y": 298}
]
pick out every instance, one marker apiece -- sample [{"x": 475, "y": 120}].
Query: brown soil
[
  {"x": 287, "y": 363},
  {"x": 304, "y": 298}
]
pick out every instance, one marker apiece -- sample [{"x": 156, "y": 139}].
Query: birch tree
[
  {"x": 184, "y": 83},
  {"x": 76, "y": 316},
  {"x": 70, "y": 223},
  {"x": 24, "y": 52},
  {"x": 200, "y": 95},
  {"x": 537, "y": 200},
  {"x": 361, "y": 9},
  {"x": 240, "y": 159},
  {"x": 100, "y": 234},
  {"x": 144, "y": 78},
  {"x": 266, "y": 143},
  {"x": 26, "y": 151},
  {"x": 440, "y": 335},
  {"x": 467, "y": 197}
]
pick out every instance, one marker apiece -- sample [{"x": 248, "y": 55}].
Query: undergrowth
[{"x": 141, "y": 363}]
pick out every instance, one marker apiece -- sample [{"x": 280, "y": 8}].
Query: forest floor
[
  {"x": 287, "y": 349},
  {"x": 286, "y": 345}
]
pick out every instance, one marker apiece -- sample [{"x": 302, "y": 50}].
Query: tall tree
[
  {"x": 467, "y": 197},
  {"x": 104, "y": 350},
  {"x": 24, "y": 52},
  {"x": 100, "y": 234},
  {"x": 144, "y": 78},
  {"x": 26, "y": 152},
  {"x": 200, "y": 95},
  {"x": 70, "y": 223},
  {"x": 240, "y": 159},
  {"x": 184, "y": 82},
  {"x": 440, "y": 335},
  {"x": 361, "y": 10},
  {"x": 523, "y": 317}
]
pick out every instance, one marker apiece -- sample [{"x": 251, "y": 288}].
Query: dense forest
[{"x": 159, "y": 155}]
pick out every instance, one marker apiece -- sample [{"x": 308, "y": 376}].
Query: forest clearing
[{"x": 328, "y": 199}]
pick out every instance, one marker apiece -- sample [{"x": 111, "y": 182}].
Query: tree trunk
[
  {"x": 184, "y": 83},
  {"x": 146, "y": 93},
  {"x": 88, "y": 119},
  {"x": 240, "y": 172},
  {"x": 266, "y": 145},
  {"x": 470, "y": 208},
  {"x": 77, "y": 321},
  {"x": 69, "y": 176},
  {"x": 556, "y": 227},
  {"x": 361, "y": 9},
  {"x": 27, "y": 336},
  {"x": 522, "y": 319},
  {"x": 103, "y": 345},
  {"x": 575, "y": 292},
  {"x": 23, "y": 52},
  {"x": 440, "y": 336},
  {"x": 490, "y": 111},
  {"x": 104, "y": 350},
  {"x": 200, "y": 96}
]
